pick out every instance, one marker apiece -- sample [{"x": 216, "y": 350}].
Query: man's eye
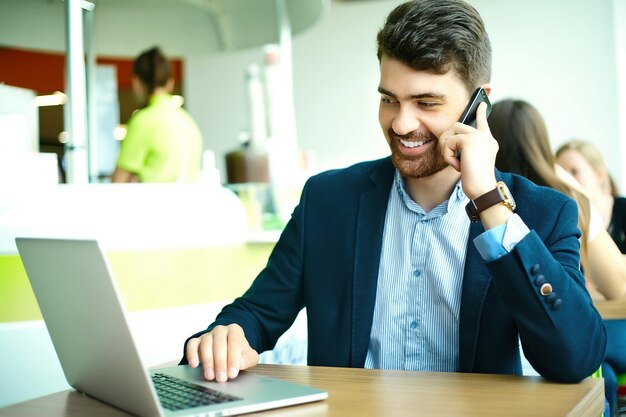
[
  {"x": 387, "y": 100},
  {"x": 428, "y": 104}
]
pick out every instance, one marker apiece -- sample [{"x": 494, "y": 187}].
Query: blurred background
[{"x": 565, "y": 56}]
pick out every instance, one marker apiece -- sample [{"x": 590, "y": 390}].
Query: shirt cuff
[{"x": 499, "y": 241}]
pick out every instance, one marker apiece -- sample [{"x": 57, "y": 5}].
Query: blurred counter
[{"x": 169, "y": 244}]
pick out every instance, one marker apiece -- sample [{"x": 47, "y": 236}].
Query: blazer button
[
  {"x": 535, "y": 269},
  {"x": 551, "y": 298},
  {"x": 557, "y": 304},
  {"x": 545, "y": 289},
  {"x": 540, "y": 280}
]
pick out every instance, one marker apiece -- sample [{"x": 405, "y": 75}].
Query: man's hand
[
  {"x": 223, "y": 352},
  {"x": 478, "y": 154}
]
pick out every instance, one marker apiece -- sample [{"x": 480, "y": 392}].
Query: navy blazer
[{"x": 328, "y": 256}]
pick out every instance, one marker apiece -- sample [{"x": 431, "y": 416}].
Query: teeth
[{"x": 412, "y": 144}]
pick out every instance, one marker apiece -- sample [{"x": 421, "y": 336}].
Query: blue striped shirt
[{"x": 416, "y": 317}]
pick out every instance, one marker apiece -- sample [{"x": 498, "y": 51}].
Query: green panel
[
  {"x": 151, "y": 279},
  {"x": 17, "y": 301}
]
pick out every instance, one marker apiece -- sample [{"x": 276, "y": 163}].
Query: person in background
[
  {"x": 585, "y": 163},
  {"x": 163, "y": 142},
  {"x": 420, "y": 260},
  {"x": 525, "y": 149}
]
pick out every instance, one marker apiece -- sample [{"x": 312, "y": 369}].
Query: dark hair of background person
[
  {"x": 438, "y": 36},
  {"x": 153, "y": 69},
  {"x": 593, "y": 157},
  {"x": 524, "y": 149}
]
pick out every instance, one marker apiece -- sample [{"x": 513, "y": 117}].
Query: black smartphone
[{"x": 469, "y": 114}]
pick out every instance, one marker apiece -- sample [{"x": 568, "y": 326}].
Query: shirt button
[
  {"x": 417, "y": 274},
  {"x": 413, "y": 325}
]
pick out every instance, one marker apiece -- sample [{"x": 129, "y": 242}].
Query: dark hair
[
  {"x": 523, "y": 140},
  {"x": 152, "y": 68},
  {"x": 524, "y": 148},
  {"x": 438, "y": 36}
]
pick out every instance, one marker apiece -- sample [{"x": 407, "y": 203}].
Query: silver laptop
[{"x": 82, "y": 308}]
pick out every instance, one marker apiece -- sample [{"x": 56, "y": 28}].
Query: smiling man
[{"x": 420, "y": 260}]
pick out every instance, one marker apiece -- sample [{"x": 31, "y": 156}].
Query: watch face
[{"x": 507, "y": 198}]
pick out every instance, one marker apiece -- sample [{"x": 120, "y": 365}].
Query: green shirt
[{"x": 162, "y": 143}]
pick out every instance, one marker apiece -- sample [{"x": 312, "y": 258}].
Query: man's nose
[{"x": 406, "y": 121}]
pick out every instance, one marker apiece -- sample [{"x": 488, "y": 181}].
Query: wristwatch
[{"x": 500, "y": 194}]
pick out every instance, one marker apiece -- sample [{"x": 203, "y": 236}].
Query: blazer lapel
[
  {"x": 476, "y": 280},
  {"x": 368, "y": 246}
]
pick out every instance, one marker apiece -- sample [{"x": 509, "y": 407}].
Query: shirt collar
[{"x": 456, "y": 197}]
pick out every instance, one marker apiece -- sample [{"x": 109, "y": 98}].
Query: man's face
[{"x": 416, "y": 107}]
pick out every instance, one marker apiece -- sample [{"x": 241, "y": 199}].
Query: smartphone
[{"x": 469, "y": 114}]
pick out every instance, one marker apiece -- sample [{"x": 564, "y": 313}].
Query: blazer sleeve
[
  {"x": 271, "y": 304},
  {"x": 541, "y": 285}
]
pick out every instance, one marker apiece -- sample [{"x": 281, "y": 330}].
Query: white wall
[
  {"x": 619, "y": 14},
  {"x": 559, "y": 55}
]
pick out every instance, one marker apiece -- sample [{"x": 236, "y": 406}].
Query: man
[
  {"x": 384, "y": 257},
  {"x": 163, "y": 142}
]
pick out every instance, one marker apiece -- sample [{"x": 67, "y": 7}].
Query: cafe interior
[{"x": 281, "y": 90}]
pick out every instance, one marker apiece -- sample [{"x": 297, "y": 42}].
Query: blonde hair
[{"x": 593, "y": 157}]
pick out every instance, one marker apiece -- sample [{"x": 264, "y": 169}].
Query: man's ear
[{"x": 487, "y": 88}]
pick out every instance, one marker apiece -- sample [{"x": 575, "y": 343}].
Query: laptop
[{"x": 85, "y": 316}]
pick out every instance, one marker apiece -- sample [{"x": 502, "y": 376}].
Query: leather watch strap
[{"x": 500, "y": 194}]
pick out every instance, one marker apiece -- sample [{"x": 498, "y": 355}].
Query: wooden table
[
  {"x": 611, "y": 309},
  {"x": 376, "y": 393}
]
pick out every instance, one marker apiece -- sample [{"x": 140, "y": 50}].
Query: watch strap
[{"x": 500, "y": 194}]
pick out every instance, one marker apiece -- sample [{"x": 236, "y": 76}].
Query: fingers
[
  {"x": 449, "y": 150},
  {"x": 200, "y": 351},
  {"x": 235, "y": 344},
  {"x": 223, "y": 352},
  {"x": 478, "y": 150},
  {"x": 249, "y": 357},
  {"x": 219, "y": 354},
  {"x": 481, "y": 118},
  {"x": 454, "y": 142},
  {"x": 191, "y": 352}
]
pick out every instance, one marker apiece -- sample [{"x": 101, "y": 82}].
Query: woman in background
[
  {"x": 525, "y": 149},
  {"x": 585, "y": 163},
  {"x": 162, "y": 143}
]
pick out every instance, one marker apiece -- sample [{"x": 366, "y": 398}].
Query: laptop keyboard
[{"x": 178, "y": 394}]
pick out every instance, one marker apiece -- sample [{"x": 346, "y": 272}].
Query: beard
[{"x": 418, "y": 166}]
